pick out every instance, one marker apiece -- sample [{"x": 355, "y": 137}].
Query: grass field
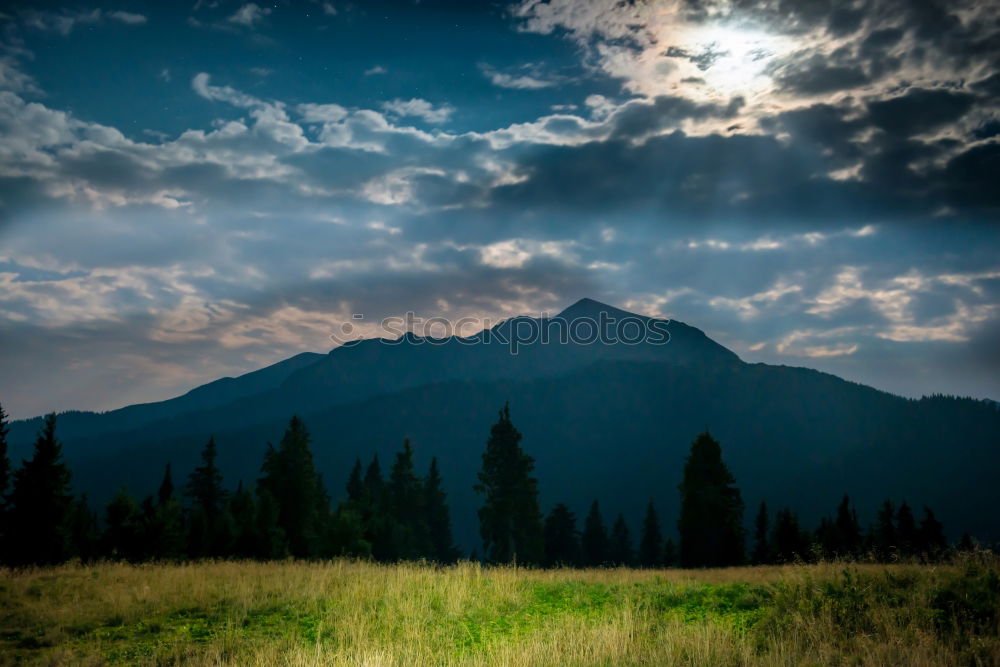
[{"x": 358, "y": 613}]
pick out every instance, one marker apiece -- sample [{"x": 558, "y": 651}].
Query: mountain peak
[{"x": 587, "y": 307}]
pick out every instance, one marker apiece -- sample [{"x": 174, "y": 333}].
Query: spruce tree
[
  {"x": 671, "y": 554},
  {"x": 40, "y": 503},
  {"x": 168, "y": 536},
  {"x": 271, "y": 542},
  {"x": 620, "y": 550},
  {"x": 356, "y": 484},
  {"x": 562, "y": 540},
  {"x": 711, "y": 517},
  {"x": 243, "y": 511},
  {"x": 594, "y": 541},
  {"x": 931, "y": 536},
  {"x": 789, "y": 543},
  {"x": 848, "y": 530},
  {"x": 885, "y": 538},
  {"x": 204, "y": 486},
  {"x": 83, "y": 535},
  {"x": 761, "y": 547},
  {"x": 376, "y": 517},
  {"x": 122, "y": 539},
  {"x": 510, "y": 521},
  {"x": 290, "y": 477},
  {"x": 906, "y": 530},
  {"x": 5, "y": 473},
  {"x": 438, "y": 517},
  {"x": 166, "y": 491},
  {"x": 406, "y": 503},
  {"x": 209, "y": 527},
  {"x": 651, "y": 540}
]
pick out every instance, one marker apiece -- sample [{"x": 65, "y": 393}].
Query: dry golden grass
[{"x": 359, "y": 613}]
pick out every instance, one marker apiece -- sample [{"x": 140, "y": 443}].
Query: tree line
[{"x": 287, "y": 512}]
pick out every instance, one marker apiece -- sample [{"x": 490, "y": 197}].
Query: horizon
[{"x": 200, "y": 191}]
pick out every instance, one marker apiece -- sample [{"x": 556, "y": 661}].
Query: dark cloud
[
  {"x": 919, "y": 110},
  {"x": 816, "y": 75}
]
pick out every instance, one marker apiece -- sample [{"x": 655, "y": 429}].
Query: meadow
[{"x": 344, "y": 612}]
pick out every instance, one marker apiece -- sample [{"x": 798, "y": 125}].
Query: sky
[{"x": 191, "y": 190}]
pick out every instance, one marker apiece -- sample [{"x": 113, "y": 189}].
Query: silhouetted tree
[
  {"x": 83, "y": 535},
  {"x": 562, "y": 540},
  {"x": 884, "y": 537},
  {"x": 5, "y": 474},
  {"x": 271, "y": 538},
  {"x": 711, "y": 517},
  {"x": 167, "y": 529},
  {"x": 906, "y": 530},
  {"x": 789, "y": 543},
  {"x": 375, "y": 516},
  {"x": 406, "y": 503},
  {"x": 209, "y": 529},
  {"x": 438, "y": 517},
  {"x": 243, "y": 510},
  {"x": 931, "y": 536},
  {"x": 510, "y": 521},
  {"x": 594, "y": 541},
  {"x": 651, "y": 540},
  {"x": 204, "y": 486},
  {"x": 620, "y": 550},
  {"x": 761, "y": 546},
  {"x": 289, "y": 475},
  {"x": 848, "y": 531},
  {"x": 122, "y": 539},
  {"x": 166, "y": 491},
  {"x": 40, "y": 503},
  {"x": 671, "y": 554},
  {"x": 356, "y": 484}
]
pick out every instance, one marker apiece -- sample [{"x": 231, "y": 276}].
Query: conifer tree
[
  {"x": 122, "y": 538},
  {"x": 594, "y": 541},
  {"x": 376, "y": 517},
  {"x": 204, "y": 486},
  {"x": 271, "y": 543},
  {"x": 167, "y": 538},
  {"x": 789, "y": 543},
  {"x": 406, "y": 504},
  {"x": 711, "y": 517},
  {"x": 438, "y": 517},
  {"x": 290, "y": 477},
  {"x": 761, "y": 547},
  {"x": 848, "y": 530},
  {"x": 5, "y": 471},
  {"x": 510, "y": 521},
  {"x": 671, "y": 554},
  {"x": 243, "y": 511},
  {"x": 84, "y": 537},
  {"x": 885, "y": 538},
  {"x": 40, "y": 503},
  {"x": 356, "y": 484},
  {"x": 620, "y": 551},
  {"x": 651, "y": 540},
  {"x": 906, "y": 530},
  {"x": 166, "y": 491},
  {"x": 562, "y": 540},
  {"x": 931, "y": 536},
  {"x": 209, "y": 527}
]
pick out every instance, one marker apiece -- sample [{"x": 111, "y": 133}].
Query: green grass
[{"x": 345, "y": 612}]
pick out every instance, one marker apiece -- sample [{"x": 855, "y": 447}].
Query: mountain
[{"x": 610, "y": 421}]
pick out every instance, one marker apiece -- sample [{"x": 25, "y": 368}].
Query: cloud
[
  {"x": 249, "y": 15},
  {"x": 377, "y": 69},
  {"x": 418, "y": 108},
  {"x": 129, "y": 18},
  {"x": 65, "y": 21},
  {"x": 527, "y": 77}
]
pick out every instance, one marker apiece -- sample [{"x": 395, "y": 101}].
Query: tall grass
[{"x": 361, "y": 613}]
